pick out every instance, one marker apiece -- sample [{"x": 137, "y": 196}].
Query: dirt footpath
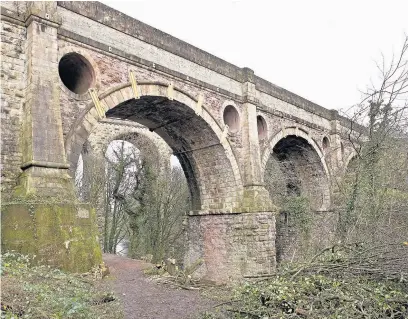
[{"x": 143, "y": 298}]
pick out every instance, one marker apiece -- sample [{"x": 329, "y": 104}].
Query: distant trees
[
  {"x": 136, "y": 200},
  {"x": 157, "y": 224},
  {"x": 124, "y": 172}
]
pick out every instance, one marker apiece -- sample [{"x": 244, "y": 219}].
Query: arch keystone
[
  {"x": 98, "y": 106},
  {"x": 170, "y": 91},
  {"x": 127, "y": 93},
  {"x": 135, "y": 89},
  {"x": 199, "y": 105}
]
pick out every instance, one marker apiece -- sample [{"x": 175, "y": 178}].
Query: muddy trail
[{"x": 143, "y": 298}]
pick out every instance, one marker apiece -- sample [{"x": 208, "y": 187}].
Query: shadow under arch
[
  {"x": 297, "y": 179},
  {"x": 302, "y": 163},
  {"x": 207, "y": 159}
]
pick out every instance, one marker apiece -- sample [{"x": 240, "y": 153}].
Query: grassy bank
[{"x": 36, "y": 292}]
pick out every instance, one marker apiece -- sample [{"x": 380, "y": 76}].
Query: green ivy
[{"x": 299, "y": 216}]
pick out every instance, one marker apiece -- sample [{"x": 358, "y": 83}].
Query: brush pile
[{"x": 343, "y": 281}]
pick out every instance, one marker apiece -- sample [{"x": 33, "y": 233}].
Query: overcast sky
[{"x": 322, "y": 50}]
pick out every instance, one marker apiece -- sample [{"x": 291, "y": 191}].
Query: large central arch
[
  {"x": 195, "y": 137},
  {"x": 211, "y": 169}
]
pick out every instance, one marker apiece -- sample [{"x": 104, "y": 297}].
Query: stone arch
[
  {"x": 296, "y": 131},
  {"x": 303, "y": 138},
  {"x": 107, "y": 131},
  {"x": 104, "y": 132},
  {"x": 352, "y": 156},
  {"x": 194, "y": 135}
]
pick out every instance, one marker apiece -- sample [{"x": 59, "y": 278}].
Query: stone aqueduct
[{"x": 71, "y": 69}]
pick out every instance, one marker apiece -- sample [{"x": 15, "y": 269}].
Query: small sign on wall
[{"x": 83, "y": 213}]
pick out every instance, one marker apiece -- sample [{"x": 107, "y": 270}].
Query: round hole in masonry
[
  {"x": 231, "y": 118},
  {"x": 262, "y": 129},
  {"x": 325, "y": 143},
  {"x": 76, "y": 72}
]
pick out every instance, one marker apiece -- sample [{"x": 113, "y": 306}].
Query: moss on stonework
[
  {"x": 255, "y": 200},
  {"x": 44, "y": 183},
  {"x": 63, "y": 235}
]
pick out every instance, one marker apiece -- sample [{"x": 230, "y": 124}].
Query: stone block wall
[
  {"x": 58, "y": 234},
  {"x": 231, "y": 245},
  {"x": 13, "y": 73}
]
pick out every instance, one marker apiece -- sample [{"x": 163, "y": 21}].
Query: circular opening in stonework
[
  {"x": 262, "y": 129},
  {"x": 231, "y": 118},
  {"x": 76, "y": 72},
  {"x": 326, "y": 143}
]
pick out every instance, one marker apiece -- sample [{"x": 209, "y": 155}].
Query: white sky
[{"x": 322, "y": 50}]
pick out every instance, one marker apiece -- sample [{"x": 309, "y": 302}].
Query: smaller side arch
[
  {"x": 322, "y": 200},
  {"x": 296, "y": 131},
  {"x": 108, "y": 130}
]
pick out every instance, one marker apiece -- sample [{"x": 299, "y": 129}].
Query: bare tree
[
  {"x": 124, "y": 170},
  {"x": 157, "y": 222},
  {"x": 137, "y": 200},
  {"x": 373, "y": 196},
  {"x": 374, "y": 191}
]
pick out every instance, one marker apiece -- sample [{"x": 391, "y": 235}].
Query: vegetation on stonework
[
  {"x": 370, "y": 192},
  {"x": 29, "y": 291},
  {"x": 290, "y": 178},
  {"x": 297, "y": 208}
]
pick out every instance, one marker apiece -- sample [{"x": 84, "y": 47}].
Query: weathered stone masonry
[
  {"x": 221, "y": 121},
  {"x": 13, "y": 61}
]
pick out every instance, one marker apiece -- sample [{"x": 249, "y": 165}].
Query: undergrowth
[
  {"x": 36, "y": 292},
  {"x": 331, "y": 286}
]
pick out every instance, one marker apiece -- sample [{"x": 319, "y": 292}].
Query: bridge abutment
[
  {"x": 231, "y": 246},
  {"x": 42, "y": 217},
  {"x": 57, "y": 233}
]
